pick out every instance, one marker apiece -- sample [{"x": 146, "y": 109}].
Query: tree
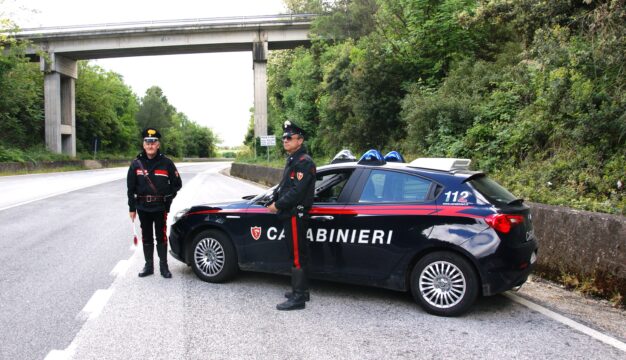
[
  {"x": 21, "y": 86},
  {"x": 105, "y": 109}
]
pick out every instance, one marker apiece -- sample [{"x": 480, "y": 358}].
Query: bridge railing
[{"x": 216, "y": 21}]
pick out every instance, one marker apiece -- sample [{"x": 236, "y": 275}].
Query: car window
[
  {"x": 328, "y": 186},
  {"x": 391, "y": 186}
]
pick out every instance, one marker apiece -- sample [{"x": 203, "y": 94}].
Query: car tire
[
  {"x": 213, "y": 256},
  {"x": 444, "y": 283}
]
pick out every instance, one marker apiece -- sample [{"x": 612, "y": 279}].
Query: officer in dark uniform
[
  {"x": 153, "y": 182},
  {"x": 293, "y": 200}
]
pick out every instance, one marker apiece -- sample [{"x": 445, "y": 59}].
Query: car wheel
[
  {"x": 444, "y": 283},
  {"x": 213, "y": 257}
]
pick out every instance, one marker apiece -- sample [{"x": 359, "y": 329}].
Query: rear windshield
[{"x": 491, "y": 190}]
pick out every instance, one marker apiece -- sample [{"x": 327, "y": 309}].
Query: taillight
[{"x": 503, "y": 222}]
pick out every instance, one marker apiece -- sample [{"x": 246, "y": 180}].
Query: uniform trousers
[
  {"x": 154, "y": 225},
  {"x": 297, "y": 243}
]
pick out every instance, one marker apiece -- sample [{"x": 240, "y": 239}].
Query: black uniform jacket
[
  {"x": 297, "y": 185},
  {"x": 163, "y": 174}
]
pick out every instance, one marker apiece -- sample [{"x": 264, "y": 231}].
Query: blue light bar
[
  {"x": 394, "y": 156},
  {"x": 372, "y": 157}
]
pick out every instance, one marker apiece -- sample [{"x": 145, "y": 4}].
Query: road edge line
[{"x": 567, "y": 321}]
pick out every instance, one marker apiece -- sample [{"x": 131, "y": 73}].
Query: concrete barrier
[
  {"x": 590, "y": 246},
  {"x": 37, "y": 165},
  {"x": 260, "y": 174}
]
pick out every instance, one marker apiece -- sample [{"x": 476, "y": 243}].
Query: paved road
[{"x": 70, "y": 290}]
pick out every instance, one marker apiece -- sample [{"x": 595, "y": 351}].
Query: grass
[{"x": 42, "y": 171}]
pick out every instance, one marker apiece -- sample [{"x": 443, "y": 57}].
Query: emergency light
[
  {"x": 394, "y": 156},
  {"x": 344, "y": 155},
  {"x": 372, "y": 157}
]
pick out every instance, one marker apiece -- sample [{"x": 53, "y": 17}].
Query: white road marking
[
  {"x": 95, "y": 305},
  {"x": 120, "y": 268},
  {"x": 62, "y": 354},
  {"x": 569, "y": 322}
]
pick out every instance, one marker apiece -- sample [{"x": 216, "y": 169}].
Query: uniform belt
[{"x": 151, "y": 198}]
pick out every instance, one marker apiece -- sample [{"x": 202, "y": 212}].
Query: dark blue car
[{"x": 431, "y": 226}]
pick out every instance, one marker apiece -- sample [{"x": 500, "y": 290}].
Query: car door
[
  {"x": 263, "y": 237},
  {"x": 387, "y": 220},
  {"x": 332, "y": 190}
]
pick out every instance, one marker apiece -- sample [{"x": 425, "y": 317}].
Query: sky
[{"x": 214, "y": 90}]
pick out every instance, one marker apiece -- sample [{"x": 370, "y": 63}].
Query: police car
[{"x": 430, "y": 226}]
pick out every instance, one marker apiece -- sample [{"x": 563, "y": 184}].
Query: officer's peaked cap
[
  {"x": 289, "y": 128},
  {"x": 150, "y": 132}
]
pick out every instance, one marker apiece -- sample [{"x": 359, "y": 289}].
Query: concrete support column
[
  {"x": 259, "y": 55},
  {"x": 52, "y": 108},
  {"x": 68, "y": 115},
  {"x": 60, "y": 108}
]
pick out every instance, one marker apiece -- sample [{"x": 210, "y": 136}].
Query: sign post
[{"x": 267, "y": 141}]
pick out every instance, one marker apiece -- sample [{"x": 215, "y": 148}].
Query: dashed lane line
[
  {"x": 92, "y": 309},
  {"x": 567, "y": 321}
]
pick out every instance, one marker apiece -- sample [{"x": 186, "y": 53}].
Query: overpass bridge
[{"x": 59, "y": 48}]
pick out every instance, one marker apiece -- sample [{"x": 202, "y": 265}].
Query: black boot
[
  {"x": 148, "y": 269},
  {"x": 299, "y": 283},
  {"x": 307, "y": 296},
  {"x": 162, "y": 251}
]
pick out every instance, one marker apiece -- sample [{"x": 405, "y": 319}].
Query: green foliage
[
  {"x": 532, "y": 91},
  {"x": 181, "y": 137},
  {"x": 105, "y": 109},
  {"x": 32, "y": 154},
  {"x": 21, "y": 89}
]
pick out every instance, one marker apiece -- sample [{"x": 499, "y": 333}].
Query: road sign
[{"x": 268, "y": 140}]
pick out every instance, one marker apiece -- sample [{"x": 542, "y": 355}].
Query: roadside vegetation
[
  {"x": 531, "y": 91},
  {"x": 108, "y": 114}
]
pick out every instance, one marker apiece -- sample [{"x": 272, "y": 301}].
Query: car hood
[{"x": 229, "y": 205}]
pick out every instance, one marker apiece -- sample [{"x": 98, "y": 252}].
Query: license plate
[{"x": 533, "y": 257}]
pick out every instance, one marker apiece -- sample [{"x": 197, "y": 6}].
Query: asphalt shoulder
[{"x": 597, "y": 314}]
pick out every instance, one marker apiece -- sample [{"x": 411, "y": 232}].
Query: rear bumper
[{"x": 512, "y": 269}]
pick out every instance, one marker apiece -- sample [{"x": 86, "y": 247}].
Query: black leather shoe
[
  {"x": 147, "y": 270},
  {"x": 307, "y": 296},
  {"x": 295, "y": 302},
  {"x": 165, "y": 272}
]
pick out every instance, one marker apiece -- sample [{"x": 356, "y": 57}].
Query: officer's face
[
  {"x": 292, "y": 143},
  {"x": 151, "y": 148}
]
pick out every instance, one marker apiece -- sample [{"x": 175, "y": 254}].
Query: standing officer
[
  {"x": 293, "y": 200},
  {"x": 153, "y": 182}
]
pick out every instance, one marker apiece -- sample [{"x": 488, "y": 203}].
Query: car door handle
[{"x": 322, "y": 218}]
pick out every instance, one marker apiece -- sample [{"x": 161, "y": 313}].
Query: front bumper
[{"x": 176, "y": 243}]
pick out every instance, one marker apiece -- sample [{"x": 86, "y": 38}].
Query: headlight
[{"x": 180, "y": 214}]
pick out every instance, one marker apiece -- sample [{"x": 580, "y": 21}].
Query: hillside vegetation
[{"x": 532, "y": 91}]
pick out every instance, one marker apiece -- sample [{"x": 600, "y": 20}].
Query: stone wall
[{"x": 582, "y": 243}]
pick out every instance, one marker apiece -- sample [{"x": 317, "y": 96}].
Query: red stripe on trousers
[
  {"x": 165, "y": 228},
  {"x": 294, "y": 236}
]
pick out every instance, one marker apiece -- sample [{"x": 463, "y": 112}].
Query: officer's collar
[{"x": 301, "y": 150}]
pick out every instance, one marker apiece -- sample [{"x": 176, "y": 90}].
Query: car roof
[{"x": 462, "y": 174}]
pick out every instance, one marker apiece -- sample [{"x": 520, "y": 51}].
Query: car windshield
[{"x": 264, "y": 196}]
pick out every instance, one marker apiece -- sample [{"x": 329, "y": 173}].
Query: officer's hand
[
  {"x": 132, "y": 214},
  {"x": 272, "y": 208}
]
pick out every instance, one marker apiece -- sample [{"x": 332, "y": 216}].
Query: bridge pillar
[
  {"x": 59, "y": 104},
  {"x": 259, "y": 55}
]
